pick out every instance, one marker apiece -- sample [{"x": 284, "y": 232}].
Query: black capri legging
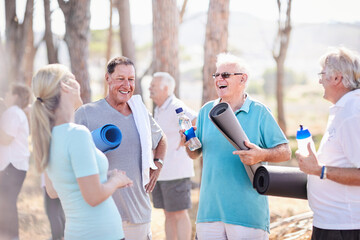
[{"x": 11, "y": 181}]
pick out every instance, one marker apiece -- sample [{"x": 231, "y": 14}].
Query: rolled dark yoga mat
[
  {"x": 226, "y": 122},
  {"x": 281, "y": 181},
  {"x": 107, "y": 137}
]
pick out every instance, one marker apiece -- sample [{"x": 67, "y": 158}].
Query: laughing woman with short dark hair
[{"x": 14, "y": 157}]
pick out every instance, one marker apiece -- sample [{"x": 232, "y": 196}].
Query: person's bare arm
[
  {"x": 255, "y": 154},
  {"x": 310, "y": 165},
  {"x": 49, "y": 187},
  {"x": 192, "y": 154},
  {"x": 94, "y": 192},
  {"x": 5, "y": 139},
  {"x": 159, "y": 153}
]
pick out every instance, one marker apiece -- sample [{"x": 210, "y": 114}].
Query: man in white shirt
[
  {"x": 172, "y": 191},
  {"x": 334, "y": 174}
]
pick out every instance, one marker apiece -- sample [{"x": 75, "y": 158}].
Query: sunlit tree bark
[
  {"x": 126, "y": 39},
  {"x": 109, "y": 44},
  {"x": 215, "y": 42},
  {"x": 165, "y": 38},
  {"x": 17, "y": 46},
  {"x": 77, "y": 22},
  {"x": 281, "y": 45},
  {"x": 50, "y": 46}
]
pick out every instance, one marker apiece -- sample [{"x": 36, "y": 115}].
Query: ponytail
[{"x": 46, "y": 88}]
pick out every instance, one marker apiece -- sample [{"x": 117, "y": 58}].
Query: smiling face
[
  {"x": 324, "y": 81},
  {"x": 121, "y": 84},
  {"x": 233, "y": 87},
  {"x": 328, "y": 81}
]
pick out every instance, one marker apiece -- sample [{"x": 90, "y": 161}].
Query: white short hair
[
  {"x": 166, "y": 80},
  {"x": 344, "y": 61},
  {"x": 228, "y": 58}
]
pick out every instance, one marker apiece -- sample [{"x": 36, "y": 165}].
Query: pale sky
[{"x": 303, "y": 11}]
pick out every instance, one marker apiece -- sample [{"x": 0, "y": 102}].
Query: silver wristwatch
[{"x": 159, "y": 160}]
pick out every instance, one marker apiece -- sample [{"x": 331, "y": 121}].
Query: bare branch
[
  {"x": 295, "y": 218},
  {"x": 182, "y": 12},
  {"x": 148, "y": 70},
  {"x": 65, "y": 6}
]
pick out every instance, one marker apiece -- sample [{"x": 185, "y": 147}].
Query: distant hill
[
  {"x": 252, "y": 38},
  {"x": 249, "y": 37}
]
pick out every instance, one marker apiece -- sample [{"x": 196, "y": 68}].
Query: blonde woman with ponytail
[{"x": 75, "y": 170}]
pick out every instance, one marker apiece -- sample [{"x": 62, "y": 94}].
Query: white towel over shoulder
[{"x": 142, "y": 122}]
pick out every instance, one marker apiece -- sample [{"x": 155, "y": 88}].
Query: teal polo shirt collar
[{"x": 245, "y": 107}]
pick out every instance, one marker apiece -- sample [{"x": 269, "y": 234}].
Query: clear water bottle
[
  {"x": 303, "y": 137},
  {"x": 185, "y": 123}
]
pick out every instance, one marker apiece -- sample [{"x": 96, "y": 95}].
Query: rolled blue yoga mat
[{"x": 107, "y": 137}]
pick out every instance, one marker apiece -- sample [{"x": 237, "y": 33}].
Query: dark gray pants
[
  {"x": 55, "y": 215},
  {"x": 324, "y": 234},
  {"x": 11, "y": 181}
]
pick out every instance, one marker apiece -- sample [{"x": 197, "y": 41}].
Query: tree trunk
[
  {"x": 16, "y": 40},
  {"x": 29, "y": 55},
  {"x": 126, "y": 39},
  {"x": 280, "y": 94},
  {"x": 3, "y": 69},
  {"x": 109, "y": 45},
  {"x": 281, "y": 45},
  {"x": 215, "y": 42},
  {"x": 165, "y": 38},
  {"x": 50, "y": 47},
  {"x": 77, "y": 22}
]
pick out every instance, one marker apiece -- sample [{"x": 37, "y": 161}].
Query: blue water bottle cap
[
  {"x": 179, "y": 110},
  {"x": 303, "y": 133}
]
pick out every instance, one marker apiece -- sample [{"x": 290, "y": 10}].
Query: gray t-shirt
[{"x": 133, "y": 202}]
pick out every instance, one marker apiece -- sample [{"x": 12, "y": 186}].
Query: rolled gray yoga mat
[
  {"x": 281, "y": 181},
  {"x": 267, "y": 180},
  {"x": 226, "y": 122},
  {"x": 107, "y": 137}
]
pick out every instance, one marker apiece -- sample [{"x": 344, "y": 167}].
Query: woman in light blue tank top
[{"x": 75, "y": 170}]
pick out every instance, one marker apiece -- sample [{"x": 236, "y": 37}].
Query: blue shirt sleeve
[{"x": 271, "y": 133}]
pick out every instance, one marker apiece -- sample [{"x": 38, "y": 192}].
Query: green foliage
[
  {"x": 98, "y": 43},
  {"x": 193, "y": 74},
  {"x": 143, "y": 52},
  {"x": 290, "y": 78},
  {"x": 255, "y": 87}
]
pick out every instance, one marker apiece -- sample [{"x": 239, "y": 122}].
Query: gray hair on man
[
  {"x": 344, "y": 61},
  {"x": 166, "y": 80},
  {"x": 228, "y": 58}
]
